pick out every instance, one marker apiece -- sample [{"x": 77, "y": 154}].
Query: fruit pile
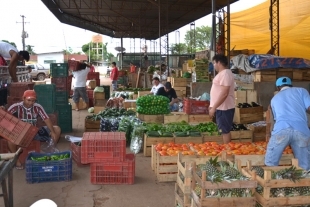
[
  {"x": 215, "y": 149},
  {"x": 153, "y": 105}
]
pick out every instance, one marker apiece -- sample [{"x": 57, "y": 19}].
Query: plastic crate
[
  {"x": 69, "y": 82},
  {"x": 65, "y": 118},
  {"x": 61, "y": 83},
  {"x": 74, "y": 65},
  {"x": 64, "y": 111},
  {"x": 97, "y": 81},
  {"x": 48, "y": 171},
  {"x": 66, "y": 127},
  {"x": 61, "y": 98},
  {"x": 3, "y": 145},
  {"x": 13, "y": 100},
  {"x": 58, "y": 70},
  {"x": 113, "y": 172},
  {"x": 46, "y": 97},
  {"x": 196, "y": 107},
  {"x": 106, "y": 91},
  {"x": 93, "y": 75},
  {"x": 17, "y": 89},
  {"x": 76, "y": 153},
  {"x": 90, "y": 93},
  {"x": 91, "y": 102},
  {"x": 103, "y": 146},
  {"x": 35, "y": 146},
  {"x": 15, "y": 130}
]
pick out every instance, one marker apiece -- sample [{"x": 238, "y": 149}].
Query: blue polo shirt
[{"x": 289, "y": 110}]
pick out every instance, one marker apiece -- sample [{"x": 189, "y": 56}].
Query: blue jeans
[
  {"x": 174, "y": 107},
  {"x": 114, "y": 84},
  {"x": 299, "y": 143}
]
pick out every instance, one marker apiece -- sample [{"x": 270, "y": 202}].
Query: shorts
[
  {"x": 43, "y": 134},
  {"x": 299, "y": 142},
  {"x": 224, "y": 120},
  {"x": 80, "y": 92},
  {"x": 174, "y": 107},
  {"x": 114, "y": 84}
]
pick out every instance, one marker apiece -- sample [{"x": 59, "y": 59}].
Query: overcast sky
[{"x": 47, "y": 34}]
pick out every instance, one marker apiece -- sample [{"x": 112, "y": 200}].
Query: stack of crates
[
  {"x": 106, "y": 153},
  {"x": 94, "y": 76},
  {"x": 16, "y": 91},
  {"x": 62, "y": 82}
]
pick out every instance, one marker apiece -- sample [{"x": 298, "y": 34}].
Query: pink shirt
[{"x": 223, "y": 78}]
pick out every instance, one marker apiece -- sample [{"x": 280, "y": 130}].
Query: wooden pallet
[
  {"x": 248, "y": 115},
  {"x": 267, "y": 183}
]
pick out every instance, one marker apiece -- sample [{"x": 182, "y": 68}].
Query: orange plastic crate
[
  {"x": 93, "y": 75},
  {"x": 76, "y": 154},
  {"x": 74, "y": 65},
  {"x": 15, "y": 130},
  {"x": 61, "y": 83},
  {"x": 196, "y": 107},
  {"x": 103, "y": 146},
  {"x": 113, "y": 172},
  {"x": 4, "y": 146}
]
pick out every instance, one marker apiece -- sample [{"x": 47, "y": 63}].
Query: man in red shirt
[
  {"x": 28, "y": 111},
  {"x": 132, "y": 68},
  {"x": 114, "y": 76}
]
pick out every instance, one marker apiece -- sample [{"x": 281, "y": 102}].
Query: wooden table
[{"x": 6, "y": 173}]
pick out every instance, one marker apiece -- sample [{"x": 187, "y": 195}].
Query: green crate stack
[
  {"x": 59, "y": 70},
  {"x": 202, "y": 70},
  {"x": 65, "y": 118},
  {"x": 106, "y": 91},
  {"x": 121, "y": 80},
  {"x": 46, "y": 97},
  {"x": 61, "y": 98}
]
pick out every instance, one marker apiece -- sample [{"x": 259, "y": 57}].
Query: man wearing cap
[
  {"x": 170, "y": 93},
  {"x": 156, "y": 85},
  {"x": 28, "y": 111},
  {"x": 289, "y": 107}
]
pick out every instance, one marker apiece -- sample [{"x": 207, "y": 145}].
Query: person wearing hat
[
  {"x": 28, "y": 111},
  {"x": 289, "y": 107},
  {"x": 170, "y": 93},
  {"x": 156, "y": 85}
]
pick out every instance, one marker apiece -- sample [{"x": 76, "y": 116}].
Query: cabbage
[{"x": 91, "y": 110}]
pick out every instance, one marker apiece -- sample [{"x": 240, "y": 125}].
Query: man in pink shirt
[{"x": 222, "y": 103}]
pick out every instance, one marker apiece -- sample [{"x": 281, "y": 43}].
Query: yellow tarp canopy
[{"x": 250, "y": 28}]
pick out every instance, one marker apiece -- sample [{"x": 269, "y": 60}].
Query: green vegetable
[
  {"x": 153, "y": 105},
  {"x": 186, "y": 75},
  {"x": 51, "y": 158}
]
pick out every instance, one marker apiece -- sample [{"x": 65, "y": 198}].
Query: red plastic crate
[
  {"x": 97, "y": 82},
  {"x": 35, "y": 146},
  {"x": 76, "y": 154},
  {"x": 103, "y": 146},
  {"x": 90, "y": 93},
  {"x": 17, "y": 89},
  {"x": 12, "y": 100},
  {"x": 74, "y": 65},
  {"x": 15, "y": 130},
  {"x": 61, "y": 83},
  {"x": 93, "y": 75},
  {"x": 196, "y": 107},
  {"x": 53, "y": 117},
  {"x": 113, "y": 172},
  {"x": 4, "y": 146},
  {"x": 69, "y": 82},
  {"x": 90, "y": 102}
]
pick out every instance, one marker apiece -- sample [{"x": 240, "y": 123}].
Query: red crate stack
[
  {"x": 97, "y": 82},
  {"x": 90, "y": 94},
  {"x": 192, "y": 106},
  {"x": 106, "y": 153},
  {"x": 3, "y": 145},
  {"x": 16, "y": 91},
  {"x": 93, "y": 76},
  {"x": 76, "y": 153},
  {"x": 69, "y": 82},
  {"x": 74, "y": 65},
  {"x": 61, "y": 83}
]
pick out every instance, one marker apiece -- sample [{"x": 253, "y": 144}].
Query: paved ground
[{"x": 79, "y": 192}]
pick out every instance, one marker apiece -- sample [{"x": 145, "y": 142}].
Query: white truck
[{"x": 39, "y": 72}]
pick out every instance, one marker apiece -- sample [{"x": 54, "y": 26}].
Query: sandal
[{"x": 19, "y": 167}]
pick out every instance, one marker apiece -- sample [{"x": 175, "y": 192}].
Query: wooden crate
[
  {"x": 204, "y": 201},
  {"x": 240, "y": 97},
  {"x": 259, "y": 133},
  {"x": 267, "y": 183},
  {"x": 298, "y": 74},
  {"x": 129, "y": 104},
  {"x": 99, "y": 95},
  {"x": 259, "y": 160},
  {"x": 175, "y": 117},
  {"x": 134, "y": 96},
  {"x": 92, "y": 126},
  {"x": 97, "y": 109},
  {"x": 287, "y": 72},
  {"x": 241, "y": 136},
  {"x": 143, "y": 93},
  {"x": 178, "y": 82},
  {"x": 245, "y": 86},
  {"x": 248, "y": 115},
  {"x": 251, "y": 96},
  {"x": 185, "y": 140},
  {"x": 198, "y": 118},
  {"x": 151, "y": 118},
  {"x": 214, "y": 138},
  {"x": 181, "y": 199},
  {"x": 149, "y": 141},
  {"x": 265, "y": 76}
]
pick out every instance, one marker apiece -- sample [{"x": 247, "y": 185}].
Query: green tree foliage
[
  {"x": 202, "y": 37},
  {"x": 12, "y": 43},
  {"x": 29, "y": 48},
  {"x": 179, "y": 48},
  {"x": 91, "y": 49}
]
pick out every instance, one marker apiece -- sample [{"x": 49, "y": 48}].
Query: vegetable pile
[
  {"x": 51, "y": 158},
  {"x": 111, "y": 112},
  {"x": 153, "y": 105}
]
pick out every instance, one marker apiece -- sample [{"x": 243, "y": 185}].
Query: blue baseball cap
[{"x": 283, "y": 81}]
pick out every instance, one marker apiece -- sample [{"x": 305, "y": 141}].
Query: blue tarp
[{"x": 272, "y": 61}]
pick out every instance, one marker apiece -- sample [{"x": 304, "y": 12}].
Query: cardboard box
[
  {"x": 82, "y": 104},
  {"x": 97, "y": 109},
  {"x": 91, "y": 84},
  {"x": 99, "y": 102},
  {"x": 99, "y": 95}
]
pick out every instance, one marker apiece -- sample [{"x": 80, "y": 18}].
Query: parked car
[{"x": 39, "y": 72}]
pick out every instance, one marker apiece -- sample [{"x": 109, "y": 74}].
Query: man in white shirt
[
  {"x": 8, "y": 51},
  {"x": 156, "y": 85},
  {"x": 79, "y": 82}
]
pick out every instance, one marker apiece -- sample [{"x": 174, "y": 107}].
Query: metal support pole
[
  {"x": 213, "y": 29},
  {"x": 23, "y": 32},
  {"x": 122, "y": 52},
  {"x": 274, "y": 26},
  {"x": 159, "y": 35},
  {"x": 228, "y": 30}
]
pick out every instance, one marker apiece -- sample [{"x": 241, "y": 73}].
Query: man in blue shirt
[{"x": 289, "y": 107}]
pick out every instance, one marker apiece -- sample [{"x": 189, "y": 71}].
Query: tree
[
  {"x": 29, "y": 48},
  {"x": 202, "y": 37},
  {"x": 179, "y": 48},
  {"x": 12, "y": 43},
  {"x": 91, "y": 49}
]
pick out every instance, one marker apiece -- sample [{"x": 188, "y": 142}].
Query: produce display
[
  {"x": 51, "y": 157},
  {"x": 187, "y": 75},
  {"x": 215, "y": 149},
  {"x": 247, "y": 105},
  {"x": 153, "y": 105},
  {"x": 110, "y": 112}
]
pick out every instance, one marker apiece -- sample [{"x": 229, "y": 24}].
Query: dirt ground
[{"x": 145, "y": 192}]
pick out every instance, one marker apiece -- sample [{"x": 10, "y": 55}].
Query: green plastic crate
[
  {"x": 65, "y": 126},
  {"x": 59, "y": 70},
  {"x": 106, "y": 91},
  {"x": 61, "y": 98},
  {"x": 46, "y": 97},
  {"x": 65, "y": 117}
]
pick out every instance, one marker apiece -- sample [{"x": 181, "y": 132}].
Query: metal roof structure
[{"x": 132, "y": 18}]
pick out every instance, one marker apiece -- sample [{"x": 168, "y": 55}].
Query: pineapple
[
  {"x": 211, "y": 165},
  {"x": 291, "y": 173},
  {"x": 277, "y": 192},
  {"x": 304, "y": 191},
  {"x": 292, "y": 192},
  {"x": 259, "y": 189},
  {"x": 259, "y": 171},
  {"x": 223, "y": 163},
  {"x": 198, "y": 190}
]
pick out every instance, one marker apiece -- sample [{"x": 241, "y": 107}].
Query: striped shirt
[{"x": 28, "y": 115}]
